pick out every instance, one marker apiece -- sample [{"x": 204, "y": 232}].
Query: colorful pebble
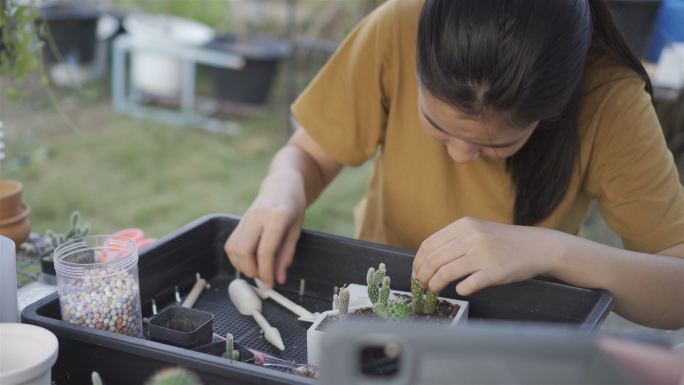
[{"x": 103, "y": 299}]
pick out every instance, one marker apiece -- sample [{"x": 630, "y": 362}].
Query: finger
[
  {"x": 286, "y": 254},
  {"x": 452, "y": 271},
  {"x": 477, "y": 281},
  {"x": 245, "y": 244},
  {"x": 269, "y": 245},
  {"x": 456, "y": 230},
  {"x": 230, "y": 246},
  {"x": 440, "y": 257}
]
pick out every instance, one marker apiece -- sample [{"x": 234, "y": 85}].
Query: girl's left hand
[{"x": 485, "y": 254}]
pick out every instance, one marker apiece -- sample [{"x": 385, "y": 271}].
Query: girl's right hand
[{"x": 264, "y": 241}]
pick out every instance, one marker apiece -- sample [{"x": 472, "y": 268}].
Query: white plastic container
[
  {"x": 155, "y": 73},
  {"x": 97, "y": 282},
  {"x": 27, "y": 353},
  {"x": 8, "y": 281}
]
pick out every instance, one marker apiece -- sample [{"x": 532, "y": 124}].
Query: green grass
[{"x": 126, "y": 172}]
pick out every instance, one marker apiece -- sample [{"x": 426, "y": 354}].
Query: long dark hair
[{"x": 522, "y": 60}]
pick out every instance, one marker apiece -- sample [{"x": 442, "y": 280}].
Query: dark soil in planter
[{"x": 444, "y": 313}]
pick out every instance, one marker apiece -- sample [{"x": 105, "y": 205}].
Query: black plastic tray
[{"x": 323, "y": 260}]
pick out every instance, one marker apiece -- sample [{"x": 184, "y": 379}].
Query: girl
[{"x": 493, "y": 124}]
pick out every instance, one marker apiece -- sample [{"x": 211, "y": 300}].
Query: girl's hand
[
  {"x": 264, "y": 241},
  {"x": 483, "y": 254}
]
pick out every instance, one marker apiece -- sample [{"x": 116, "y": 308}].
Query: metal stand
[{"x": 127, "y": 100}]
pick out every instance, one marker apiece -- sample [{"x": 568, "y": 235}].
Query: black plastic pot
[
  {"x": 183, "y": 327},
  {"x": 219, "y": 348},
  {"x": 73, "y": 28},
  {"x": 47, "y": 264},
  {"x": 252, "y": 84},
  {"x": 635, "y": 19}
]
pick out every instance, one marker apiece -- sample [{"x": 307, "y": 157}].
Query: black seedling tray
[{"x": 323, "y": 260}]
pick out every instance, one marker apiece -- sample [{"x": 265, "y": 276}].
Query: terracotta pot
[
  {"x": 10, "y": 199},
  {"x": 18, "y": 227}
]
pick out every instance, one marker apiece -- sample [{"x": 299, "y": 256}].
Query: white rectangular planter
[{"x": 358, "y": 299}]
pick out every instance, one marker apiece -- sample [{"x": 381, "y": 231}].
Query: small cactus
[
  {"x": 174, "y": 376},
  {"x": 399, "y": 309},
  {"x": 381, "y": 306},
  {"x": 373, "y": 288},
  {"x": 95, "y": 378},
  {"x": 430, "y": 302},
  {"x": 343, "y": 302},
  {"x": 417, "y": 296},
  {"x": 231, "y": 353}
]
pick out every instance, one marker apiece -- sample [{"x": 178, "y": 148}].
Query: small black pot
[
  {"x": 181, "y": 326},
  {"x": 219, "y": 348},
  {"x": 73, "y": 28},
  {"x": 47, "y": 264},
  {"x": 252, "y": 84}
]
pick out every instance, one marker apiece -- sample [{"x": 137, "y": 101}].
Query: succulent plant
[
  {"x": 343, "y": 302},
  {"x": 424, "y": 300},
  {"x": 399, "y": 309},
  {"x": 430, "y": 302},
  {"x": 174, "y": 376},
  {"x": 417, "y": 296},
  {"x": 231, "y": 353},
  {"x": 76, "y": 231}
]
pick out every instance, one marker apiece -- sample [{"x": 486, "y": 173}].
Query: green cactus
[
  {"x": 373, "y": 288},
  {"x": 174, "y": 376},
  {"x": 417, "y": 296},
  {"x": 430, "y": 302},
  {"x": 384, "y": 291},
  {"x": 231, "y": 353},
  {"x": 343, "y": 302},
  {"x": 399, "y": 309},
  {"x": 380, "y": 308},
  {"x": 95, "y": 378},
  {"x": 379, "y": 274}
]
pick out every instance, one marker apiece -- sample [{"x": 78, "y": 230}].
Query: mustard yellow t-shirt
[{"x": 365, "y": 102}]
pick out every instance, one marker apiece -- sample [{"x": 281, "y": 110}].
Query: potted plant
[
  {"x": 377, "y": 300},
  {"x": 44, "y": 247}
]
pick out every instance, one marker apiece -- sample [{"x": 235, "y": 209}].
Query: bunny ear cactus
[
  {"x": 381, "y": 306},
  {"x": 374, "y": 280},
  {"x": 174, "y": 376},
  {"x": 343, "y": 302}
]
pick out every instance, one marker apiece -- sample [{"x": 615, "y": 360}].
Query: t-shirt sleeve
[
  {"x": 344, "y": 108},
  {"x": 633, "y": 174}
]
